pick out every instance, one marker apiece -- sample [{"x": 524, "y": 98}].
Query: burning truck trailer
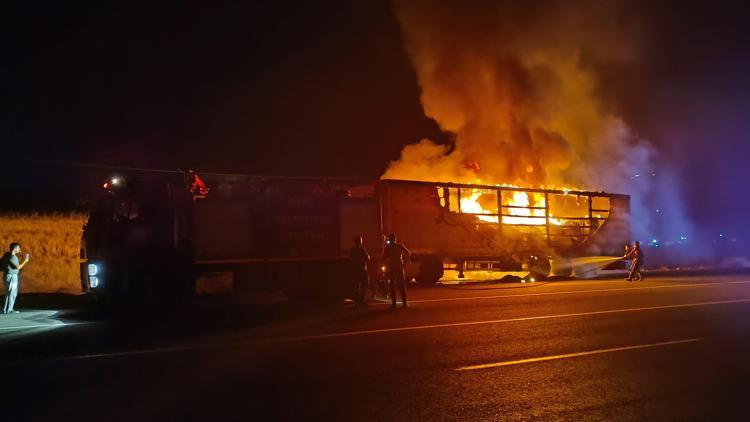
[
  {"x": 167, "y": 237},
  {"x": 501, "y": 228}
]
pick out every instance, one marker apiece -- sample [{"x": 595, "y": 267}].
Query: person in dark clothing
[
  {"x": 396, "y": 257},
  {"x": 636, "y": 254},
  {"x": 625, "y": 257},
  {"x": 358, "y": 259}
]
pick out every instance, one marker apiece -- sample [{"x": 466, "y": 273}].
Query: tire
[
  {"x": 332, "y": 287},
  {"x": 539, "y": 266},
  {"x": 289, "y": 281},
  {"x": 321, "y": 283},
  {"x": 430, "y": 271},
  {"x": 562, "y": 268}
]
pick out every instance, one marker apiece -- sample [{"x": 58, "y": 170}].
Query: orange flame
[{"x": 523, "y": 208}]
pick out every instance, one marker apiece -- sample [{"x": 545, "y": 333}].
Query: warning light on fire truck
[{"x": 112, "y": 183}]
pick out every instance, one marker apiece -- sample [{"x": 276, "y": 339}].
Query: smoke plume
[{"x": 517, "y": 87}]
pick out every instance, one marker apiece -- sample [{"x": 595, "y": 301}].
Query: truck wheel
[
  {"x": 333, "y": 284},
  {"x": 328, "y": 298},
  {"x": 295, "y": 292},
  {"x": 289, "y": 279},
  {"x": 563, "y": 268},
  {"x": 430, "y": 271},
  {"x": 539, "y": 266}
]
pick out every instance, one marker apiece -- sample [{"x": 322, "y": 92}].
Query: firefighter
[
  {"x": 11, "y": 266},
  {"x": 625, "y": 257},
  {"x": 396, "y": 256},
  {"x": 358, "y": 259},
  {"x": 636, "y": 254}
]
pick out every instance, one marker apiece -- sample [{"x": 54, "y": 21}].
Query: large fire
[
  {"x": 554, "y": 214},
  {"x": 520, "y": 208},
  {"x": 520, "y": 95}
]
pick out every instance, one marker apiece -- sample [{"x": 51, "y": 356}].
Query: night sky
[{"x": 324, "y": 89}]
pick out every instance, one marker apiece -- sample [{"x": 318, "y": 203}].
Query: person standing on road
[
  {"x": 358, "y": 259},
  {"x": 636, "y": 254},
  {"x": 396, "y": 256},
  {"x": 625, "y": 257},
  {"x": 11, "y": 266}
]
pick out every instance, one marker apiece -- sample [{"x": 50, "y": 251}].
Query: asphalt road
[{"x": 663, "y": 349}]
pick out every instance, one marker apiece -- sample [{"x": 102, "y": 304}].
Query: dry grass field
[{"x": 54, "y": 242}]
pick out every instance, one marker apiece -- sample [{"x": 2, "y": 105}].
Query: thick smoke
[{"x": 517, "y": 85}]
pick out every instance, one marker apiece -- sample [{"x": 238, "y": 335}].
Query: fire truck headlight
[{"x": 94, "y": 270}]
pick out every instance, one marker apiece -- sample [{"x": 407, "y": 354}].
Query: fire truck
[{"x": 173, "y": 235}]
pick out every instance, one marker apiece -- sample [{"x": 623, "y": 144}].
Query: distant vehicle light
[
  {"x": 93, "y": 282},
  {"x": 532, "y": 279},
  {"x": 93, "y": 269},
  {"x": 115, "y": 180},
  {"x": 382, "y": 268}
]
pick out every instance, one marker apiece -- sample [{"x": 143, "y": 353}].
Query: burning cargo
[
  {"x": 502, "y": 227},
  {"x": 295, "y": 233}
]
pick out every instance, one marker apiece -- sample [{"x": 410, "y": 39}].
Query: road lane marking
[
  {"x": 497, "y": 321},
  {"x": 618, "y": 289},
  {"x": 365, "y": 332},
  {"x": 126, "y": 353},
  {"x": 574, "y": 355},
  {"x": 61, "y": 324}
]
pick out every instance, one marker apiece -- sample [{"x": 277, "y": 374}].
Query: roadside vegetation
[{"x": 54, "y": 242}]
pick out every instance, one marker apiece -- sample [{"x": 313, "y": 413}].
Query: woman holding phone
[{"x": 11, "y": 266}]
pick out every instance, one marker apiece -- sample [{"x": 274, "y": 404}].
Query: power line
[
  {"x": 167, "y": 171},
  {"x": 102, "y": 166}
]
